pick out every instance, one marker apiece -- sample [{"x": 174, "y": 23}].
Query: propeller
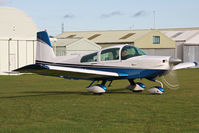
[{"x": 170, "y": 79}]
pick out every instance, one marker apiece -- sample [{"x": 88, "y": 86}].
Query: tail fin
[{"x": 44, "y": 48}]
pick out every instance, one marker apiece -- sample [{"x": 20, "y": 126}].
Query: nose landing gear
[{"x": 156, "y": 89}]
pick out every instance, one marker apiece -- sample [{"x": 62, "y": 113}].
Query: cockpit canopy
[{"x": 113, "y": 53}]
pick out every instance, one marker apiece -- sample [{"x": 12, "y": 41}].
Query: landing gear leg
[
  {"x": 132, "y": 84},
  {"x": 161, "y": 84},
  {"x": 131, "y": 81},
  {"x": 104, "y": 82},
  {"x": 135, "y": 87}
]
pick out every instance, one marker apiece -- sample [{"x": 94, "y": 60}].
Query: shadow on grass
[{"x": 48, "y": 93}]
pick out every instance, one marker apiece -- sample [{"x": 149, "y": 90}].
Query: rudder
[{"x": 44, "y": 48}]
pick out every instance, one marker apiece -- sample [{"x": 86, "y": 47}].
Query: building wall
[
  {"x": 3, "y": 55},
  {"x": 59, "y": 50},
  {"x": 16, "y": 53},
  {"x": 179, "y": 50},
  {"x": 146, "y": 41},
  {"x": 190, "y": 53},
  {"x": 160, "y": 51}
]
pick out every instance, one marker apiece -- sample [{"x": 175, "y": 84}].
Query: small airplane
[{"x": 113, "y": 63}]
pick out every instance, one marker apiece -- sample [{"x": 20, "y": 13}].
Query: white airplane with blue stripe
[{"x": 120, "y": 62}]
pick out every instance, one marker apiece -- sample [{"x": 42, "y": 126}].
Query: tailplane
[{"x": 44, "y": 48}]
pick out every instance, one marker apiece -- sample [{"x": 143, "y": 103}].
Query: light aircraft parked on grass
[{"x": 112, "y": 63}]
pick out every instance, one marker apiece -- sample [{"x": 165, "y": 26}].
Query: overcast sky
[{"x": 84, "y": 15}]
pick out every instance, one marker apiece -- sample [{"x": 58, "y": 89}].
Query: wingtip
[{"x": 196, "y": 64}]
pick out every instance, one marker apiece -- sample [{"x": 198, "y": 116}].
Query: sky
[{"x": 94, "y": 15}]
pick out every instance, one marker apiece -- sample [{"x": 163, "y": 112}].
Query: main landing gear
[
  {"x": 135, "y": 87},
  {"x": 98, "y": 89}
]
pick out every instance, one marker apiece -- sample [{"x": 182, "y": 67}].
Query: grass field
[{"x": 32, "y": 103}]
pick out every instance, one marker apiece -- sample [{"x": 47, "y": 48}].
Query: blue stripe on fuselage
[{"x": 133, "y": 73}]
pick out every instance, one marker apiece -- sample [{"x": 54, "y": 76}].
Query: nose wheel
[{"x": 156, "y": 89}]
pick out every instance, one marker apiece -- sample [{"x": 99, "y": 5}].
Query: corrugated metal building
[
  {"x": 17, "y": 39},
  {"x": 191, "y": 49},
  {"x": 187, "y": 43},
  {"x": 153, "y": 42},
  {"x": 72, "y": 46}
]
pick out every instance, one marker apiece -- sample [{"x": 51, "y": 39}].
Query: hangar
[
  {"x": 17, "y": 39},
  {"x": 72, "y": 46},
  {"x": 153, "y": 42},
  {"x": 187, "y": 43}
]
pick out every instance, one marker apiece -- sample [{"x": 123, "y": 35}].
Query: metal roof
[
  {"x": 71, "y": 41},
  {"x": 181, "y": 35},
  {"x": 16, "y": 25},
  {"x": 193, "y": 40},
  {"x": 65, "y": 42},
  {"x": 119, "y": 36}
]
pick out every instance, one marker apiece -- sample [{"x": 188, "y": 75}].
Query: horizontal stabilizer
[{"x": 185, "y": 65}]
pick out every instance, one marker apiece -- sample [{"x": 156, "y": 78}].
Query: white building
[
  {"x": 72, "y": 46},
  {"x": 17, "y": 39}
]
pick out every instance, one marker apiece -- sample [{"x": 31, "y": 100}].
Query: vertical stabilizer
[{"x": 44, "y": 48}]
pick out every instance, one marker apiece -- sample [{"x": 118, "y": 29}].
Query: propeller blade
[{"x": 171, "y": 80}]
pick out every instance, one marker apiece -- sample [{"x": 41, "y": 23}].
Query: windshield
[{"x": 130, "y": 51}]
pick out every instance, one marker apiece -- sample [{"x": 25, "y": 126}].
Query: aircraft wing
[
  {"x": 185, "y": 65},
  {"x": 69, "y": 72}
]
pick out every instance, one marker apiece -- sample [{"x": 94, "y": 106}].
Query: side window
[
  {"x": 89, "y": 58},
  {"x": 130, "y": 51},
  {"x": 110, "y": 54}
]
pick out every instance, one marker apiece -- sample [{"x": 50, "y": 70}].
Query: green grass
[{"x": 32, "y": 103}]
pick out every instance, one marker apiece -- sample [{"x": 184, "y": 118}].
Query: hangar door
[
  {"x": 16, "y": 53},
  {"x": 191, "y": 53}
]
